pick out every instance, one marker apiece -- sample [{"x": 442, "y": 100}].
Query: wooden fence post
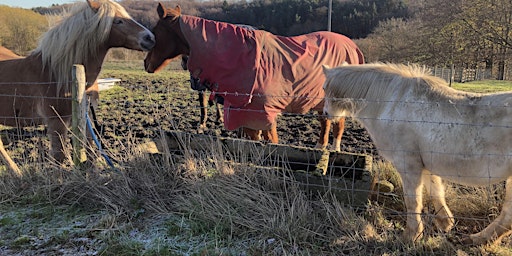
[{"x": 79, "y": 106}]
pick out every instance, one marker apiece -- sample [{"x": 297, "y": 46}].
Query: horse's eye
[{"x": 118, "y": 21}]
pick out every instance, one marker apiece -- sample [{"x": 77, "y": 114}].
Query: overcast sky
[{"x": 34, "y": 3}]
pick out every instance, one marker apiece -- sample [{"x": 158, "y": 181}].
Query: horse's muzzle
[
  {"x": 196, "y": 84},
  {"x": 147, "y": 67},
  {"x": 148, "y": 42}
]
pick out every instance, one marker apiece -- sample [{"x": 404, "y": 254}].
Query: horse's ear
[
  {"x": 177, "y": 10},
  {"x": 95, "y": 6},
  {"x": 161, "y": 10},
  {"x": 325, "y": 68},
  {"x": 164, "y": 12}
]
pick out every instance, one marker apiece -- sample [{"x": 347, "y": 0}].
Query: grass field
[{"x": 484, "y": 86}]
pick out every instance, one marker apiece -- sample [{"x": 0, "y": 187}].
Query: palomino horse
[
  {"x": 92, "y": 91},
  {"x": 429, "y": 132},
  {"x": 6, "y": 54},
  {"x": 36, "y": 90},
  {"x": 259, "y": 75}
]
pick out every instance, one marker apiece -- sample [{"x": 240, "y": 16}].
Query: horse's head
[
  {"x": 170, "y": 41},
  {"x": 336, "y": 105},
  {"x": 124, "y": 31}
]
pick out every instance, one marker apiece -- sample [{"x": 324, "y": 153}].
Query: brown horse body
[
  {"x": 6, "y": 54},
  {"x": 203, "y": 98},
  {"x": 36, "y": 90},
  {"x": 258, "y": 74}
]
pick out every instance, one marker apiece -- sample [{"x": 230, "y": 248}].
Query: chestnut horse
[
  {"x": 203, "y": 99},
  {"x": 259, "y": 75},
  {"x": 215, "y": 100},
  {"x": 36, "y": 89},
  {"x": 429, "y": 132}
]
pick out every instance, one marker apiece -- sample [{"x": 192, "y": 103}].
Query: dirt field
[{"x": 144, "y": 105}]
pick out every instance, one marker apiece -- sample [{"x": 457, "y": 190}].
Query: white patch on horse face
[{"x": 146, "y": 37}]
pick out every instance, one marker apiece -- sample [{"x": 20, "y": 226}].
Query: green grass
[
  {"x": 484, "y": 86},
  {"x": 126, "y": 70}
]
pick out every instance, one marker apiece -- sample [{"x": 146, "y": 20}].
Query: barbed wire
[
  {"x": 295, "y": 97},
  {"x": 45, "y": 83},
  {"x": 17, "y": 96},
  {"x": 351, "y": 188},
  {"x": 32, "y": 83},
  {"x": 309, "y": 114},
  {"x": 56, "y": 115},
  {"x": 367, "y": 102}
]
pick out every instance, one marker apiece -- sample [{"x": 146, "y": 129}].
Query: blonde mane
[
  {"x": 76, "y": 38},
  {"x": 380, "y": 80}
]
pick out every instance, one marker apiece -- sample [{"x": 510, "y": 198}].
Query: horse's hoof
[
  {"x": 466, "y": 240},
  {"x": 461, "y": 240},
  {"x": 445, "y": 224},
  {"x": 320, "y": 146}
]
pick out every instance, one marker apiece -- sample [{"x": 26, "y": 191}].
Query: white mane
[{"x": 76, "y": 38}]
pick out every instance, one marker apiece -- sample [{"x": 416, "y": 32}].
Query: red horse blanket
[{"x": 261, "y": 75}]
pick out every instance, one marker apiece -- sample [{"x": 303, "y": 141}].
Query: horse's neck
[
  {"x": 185, "y": 48},
  {"x": 93, "y": 66}
]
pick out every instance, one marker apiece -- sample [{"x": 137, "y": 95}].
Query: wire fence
[
  {"x": 140, "y": 112},
  {"x": 462, "y": 75}
]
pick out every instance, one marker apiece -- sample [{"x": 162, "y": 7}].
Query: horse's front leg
[
  {"x": 338, "y": 129},
  {"x": 218, "y": 107},
  {"x": 271, "y": 135},
  {"x": 436, "y": 191},
  {"x": 203, "y": 103},
  {"x": 252, "y": 134},
  {"x": 57, "y": 131},
  {"x": 413, "y": 197},
  {"x": 325, "y": 127},
  {"x": 501, "y": 226}
]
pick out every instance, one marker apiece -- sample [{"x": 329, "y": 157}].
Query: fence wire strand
[{"x": 170, "y": 109}]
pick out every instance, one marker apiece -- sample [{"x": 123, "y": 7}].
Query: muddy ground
[{"x": 145, "y": 106}]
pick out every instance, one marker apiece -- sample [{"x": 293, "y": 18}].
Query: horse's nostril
[{"x": 149, "y": 41}]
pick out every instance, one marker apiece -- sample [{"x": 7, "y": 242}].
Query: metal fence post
[{"x": 79, "y": 106}]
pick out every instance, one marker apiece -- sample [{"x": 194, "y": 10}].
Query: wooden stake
[{"x": 78, "y": 119}]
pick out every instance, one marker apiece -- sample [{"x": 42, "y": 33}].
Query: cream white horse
[{"x": 429, "y": 132}]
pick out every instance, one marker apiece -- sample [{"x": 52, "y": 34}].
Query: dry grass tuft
[{"x": 216, "y": 201}]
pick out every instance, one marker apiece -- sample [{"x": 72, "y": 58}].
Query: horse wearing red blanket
[{"x": 259, "y": 75}]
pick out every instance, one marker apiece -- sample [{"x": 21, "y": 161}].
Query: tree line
[{"x": 461, "y": 33}]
